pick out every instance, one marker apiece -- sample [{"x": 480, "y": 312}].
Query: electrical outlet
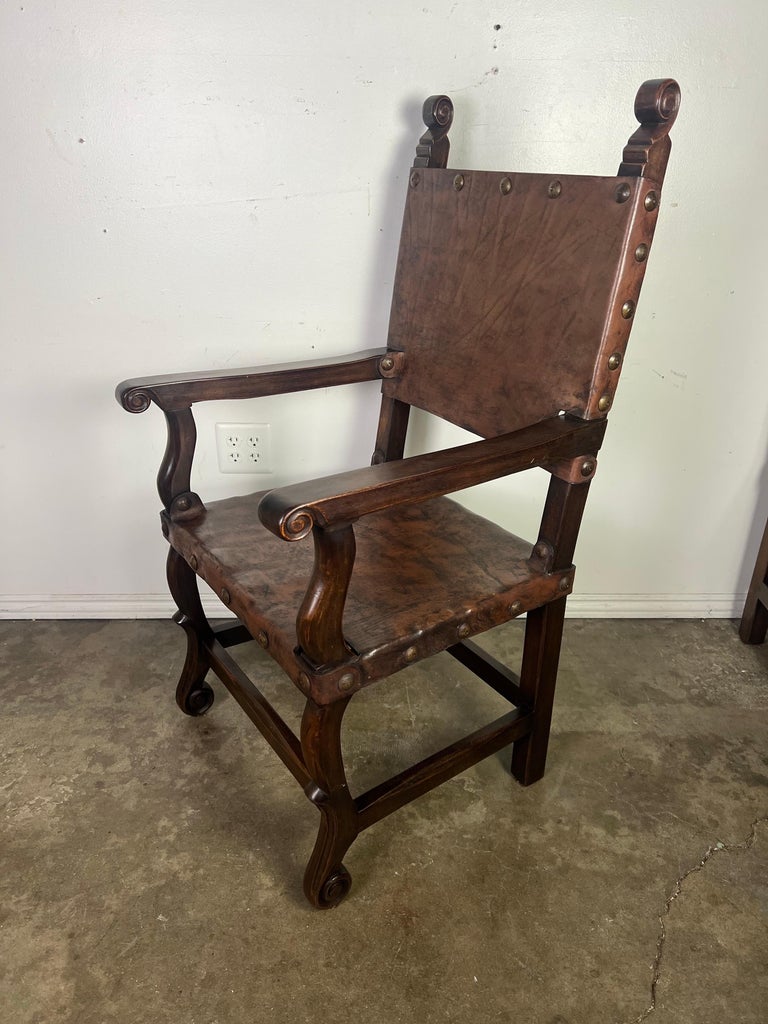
[{"x": 243, "y": 447}]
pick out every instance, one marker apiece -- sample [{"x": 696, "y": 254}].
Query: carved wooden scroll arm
[
  {"x": 327, "y": 509},
  {"x": 173, "y": 392},
  {"x": 291, "y": 512}
]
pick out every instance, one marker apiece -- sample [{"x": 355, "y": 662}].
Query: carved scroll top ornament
[
  {"x": 656, "y": 105},
  {"x": 433, "y": 147},
  {"x": 657, "y": 102}
]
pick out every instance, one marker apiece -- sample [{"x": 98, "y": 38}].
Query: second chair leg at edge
[
  {"x": 754, "y": 620},
  {"x": 326, "y": 880},
  {"x": 193, "y": 695}
]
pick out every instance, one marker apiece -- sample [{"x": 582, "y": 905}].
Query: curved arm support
[
  {"x": 319, "y": 622},
  {"x": 647, "y": 151},
  {"x": 173, "y": 478}
]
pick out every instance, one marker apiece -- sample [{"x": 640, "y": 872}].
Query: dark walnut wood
[{"x": 513, "y": 302}]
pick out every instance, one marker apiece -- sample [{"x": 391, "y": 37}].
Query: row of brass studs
[
  {"x": 651, "y": 201},
  {"x": 554, "y": 189},
  {"x": 623, "y": 192}
]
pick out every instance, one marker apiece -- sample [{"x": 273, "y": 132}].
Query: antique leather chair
[{"x": 513, "y": 301}]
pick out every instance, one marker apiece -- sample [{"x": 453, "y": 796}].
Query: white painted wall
[{"x": 209, "y": 184}]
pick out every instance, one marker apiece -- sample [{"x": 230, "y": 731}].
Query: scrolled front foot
[
  {"x": 332, "y": 891},
  {"x": 197, "y": 701}
]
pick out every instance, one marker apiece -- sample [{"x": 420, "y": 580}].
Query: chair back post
[{"x": 431, "y": 151}]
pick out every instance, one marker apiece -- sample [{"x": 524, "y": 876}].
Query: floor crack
[{"x": 677, "y": 889}]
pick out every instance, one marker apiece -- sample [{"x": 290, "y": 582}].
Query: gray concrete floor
[{"x": 152, "y": 863}]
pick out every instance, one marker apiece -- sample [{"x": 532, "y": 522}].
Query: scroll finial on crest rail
[
  {"x": 656, "y": 106},
  {"x": 432, "y": 150}
]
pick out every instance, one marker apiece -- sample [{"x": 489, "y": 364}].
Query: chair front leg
[
  {"x": 326, "y": 880},
  {"x": 544, "y": 626},
  {"x": 193, "y": 695},
  {"x": 538, "y": 676}
]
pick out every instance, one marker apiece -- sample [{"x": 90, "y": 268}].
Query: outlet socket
[{"x": 243, "y": 447}]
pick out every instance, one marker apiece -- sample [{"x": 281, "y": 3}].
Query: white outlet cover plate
[{"x": 243, "y": 447}]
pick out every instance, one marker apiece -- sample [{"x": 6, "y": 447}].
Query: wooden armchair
[{"x": 513, "y": 302}]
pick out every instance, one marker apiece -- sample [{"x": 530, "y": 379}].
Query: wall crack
[{"x": 677, "y": 889}]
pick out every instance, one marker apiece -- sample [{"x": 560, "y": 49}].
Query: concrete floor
[{"x": 152, "y": 863}]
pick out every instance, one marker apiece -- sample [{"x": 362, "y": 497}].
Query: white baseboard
[{"x": 160, "y": 606}]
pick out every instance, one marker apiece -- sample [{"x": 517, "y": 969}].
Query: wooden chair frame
[{"x": 320, "y": 659}]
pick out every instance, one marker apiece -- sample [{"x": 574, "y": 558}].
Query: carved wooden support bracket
[
  {"x": 173, "y": 478},
  {"x": 319, "y": 621}
]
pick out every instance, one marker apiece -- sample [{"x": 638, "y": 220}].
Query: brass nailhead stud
[
  {"x": 641, "y": 252},
  {"x": 415, "y": 179},
  {"x": 541, "y": 550},
  {"x": 182, "y": 504},
  {"x": 604, "y": 404},
  {"x": 516, "y": 607},
  {"x": 193, "y": 562},
  {"x": 614, "y": 361},
  {"x": 651, "y": 201},
  {"x": 554, "y": 190},
  {"x": 565, "y": 583},
  {"x": 303, "y": 680},
  {"x": 347, "y": 681},
  {"x": 505, "y": 185},
  {"x": 587, "y": 467},
  {"x": 225, "y": 595},
  {"x": 623, "y": 192},
  {"x": 628, "y": 309},
  {"x": 411, "y": 654},
  {"x": 458, "y": 182},
  {"x": 463, "y": 630},
  {"x": 262, "y": 639},
  {"x": 387, "y": 363}
]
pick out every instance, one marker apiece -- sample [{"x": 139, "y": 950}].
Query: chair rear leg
[
  {"x": 326, "y": 880},
  {"x": 754, "y": 621},
  {"x": 538, "y": 675},
  {"x": 193, "y": 695}
]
